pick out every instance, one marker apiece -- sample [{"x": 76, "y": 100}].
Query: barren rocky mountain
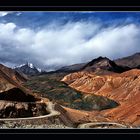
[
  {"x": 100, "y": 92},
  {"x": 12, "y": 74},
  {"x": 103, "y": 65},
  {"x": 82, "y": 92},
  {"x": 122, "y": 88},
  {"x": 132, "y": 61},
  {"x": 15, "y": 100}
]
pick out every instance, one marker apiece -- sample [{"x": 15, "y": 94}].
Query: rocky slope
[
  {"x": 103, "y": 65},
  {"x": 50, "y": 86},
  {"x": 123, "y": 88},
  {"x": 106, "y": 85},
  {"x": 15, "y": 100},
  {"x": 13, "y": 109},
  {"x": 100, "y": 65},
  {"x": 12, "y": 74},
  {"x": 132, "y": 61}
]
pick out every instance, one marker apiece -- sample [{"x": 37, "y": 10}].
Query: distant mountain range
[
  {"x": 132, "y": 61},
  {"x": 105, "y": 64},
  {"x": 71, "y": 68},
  {"x": 100, "y": 65}
]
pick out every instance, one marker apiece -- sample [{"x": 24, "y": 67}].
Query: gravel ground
[{"x": 7, "y": 125}]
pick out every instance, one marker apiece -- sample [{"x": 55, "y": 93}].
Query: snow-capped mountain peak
[
  {"x": 28, "y": 69},
  {"x": 19, "y": 66},
  {"x": 30, "y": 65},
  {"x": 39, "y": 69}
]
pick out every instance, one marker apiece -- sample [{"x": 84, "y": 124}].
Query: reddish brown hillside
[
  {"x": 17, "y": 77},
  {"x": 123, "y": 88},
  {"x": 15, "y": 100}
]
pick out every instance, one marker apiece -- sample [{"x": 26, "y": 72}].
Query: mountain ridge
[
  {"x": 103, "y": 64},
  {"x": 132, "y": 61},
  {"x": 28, "y": 69}
]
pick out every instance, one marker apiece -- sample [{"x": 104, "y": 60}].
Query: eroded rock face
[
  {"x": 10, "y": 89},
  {"x": 15, "y": 103},
  {"x": 119, "y": 87},
  {"x": 20, "y": 110},
  {"x": 16, "y": 94},
  {"x": 123, "y": 88},
  {"x": 15, "y": 100},
  {"x": 14, "y": 75}
]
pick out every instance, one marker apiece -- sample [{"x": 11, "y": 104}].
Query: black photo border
[{"x": 69, "y": 5}]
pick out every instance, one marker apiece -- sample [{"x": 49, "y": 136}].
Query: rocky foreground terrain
[
  {"x": 99, "y": 94},
  {"x": 124, "y": 88},
  {"x": 11, "y": 125}
]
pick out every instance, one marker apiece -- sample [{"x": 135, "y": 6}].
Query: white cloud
[
  {"x": 2, "y": 14},
  {"x": 74, "y": 42},
  {"x": 18, "y": 14}
]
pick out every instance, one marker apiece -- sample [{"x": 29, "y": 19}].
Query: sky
[{"x": 51, "y": 40}]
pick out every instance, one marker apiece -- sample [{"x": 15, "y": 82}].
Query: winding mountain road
[
  {"x": 50, "y": 109},
  {"x": 54, "y": 113},
  {"x": 102, "y": 125}
]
